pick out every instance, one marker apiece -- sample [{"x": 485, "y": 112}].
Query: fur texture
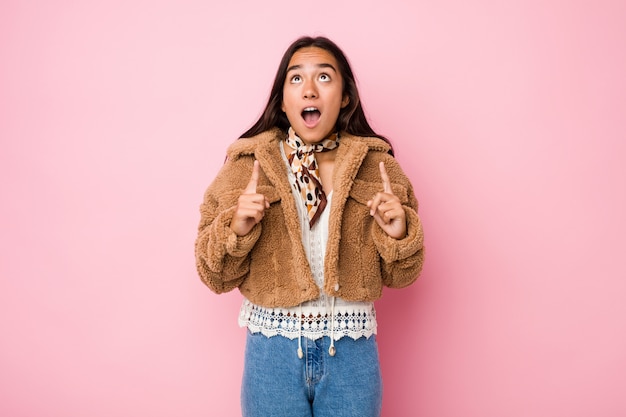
[{"x": 269, "y": 265}]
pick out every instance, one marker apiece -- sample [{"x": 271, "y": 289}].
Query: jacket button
[{"x": 337, "y": 287}]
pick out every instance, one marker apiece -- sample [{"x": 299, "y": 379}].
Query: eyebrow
[{"x": 322, "y": 65}]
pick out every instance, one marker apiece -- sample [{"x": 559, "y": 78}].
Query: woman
[{"x": 309, "y": 217}]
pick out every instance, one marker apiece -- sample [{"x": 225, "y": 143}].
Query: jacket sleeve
[
  {"x": 401, "y": 259},
  {"x": 222, "y": 257}
]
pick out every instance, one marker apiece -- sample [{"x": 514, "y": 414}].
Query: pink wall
[{"x": 510, "y": 119}]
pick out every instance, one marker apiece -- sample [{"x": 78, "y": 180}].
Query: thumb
[{"x": 254, "y": 179}]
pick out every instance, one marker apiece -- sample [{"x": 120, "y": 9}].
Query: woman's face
[{"x": 313, "y": 94}]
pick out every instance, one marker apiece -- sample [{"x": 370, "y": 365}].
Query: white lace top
[{"x": 312, "y": 319}]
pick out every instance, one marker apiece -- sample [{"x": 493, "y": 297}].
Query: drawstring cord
[
  {"x": 300, "y": 354},
  {"x": 331, "y": 349}
]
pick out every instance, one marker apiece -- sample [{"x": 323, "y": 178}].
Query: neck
[{"x": 296, "y": 139}]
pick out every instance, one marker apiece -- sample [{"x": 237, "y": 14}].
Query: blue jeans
[{"x": 277, "y": 383}]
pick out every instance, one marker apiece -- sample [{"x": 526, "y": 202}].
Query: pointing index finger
[
  {"x": 385, "y": 178},
  {"x": 254, "y": 179}
]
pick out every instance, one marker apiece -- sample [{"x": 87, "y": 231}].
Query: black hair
[{"x": 351, "y": 118}]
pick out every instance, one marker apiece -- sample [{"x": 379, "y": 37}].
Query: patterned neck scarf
[{"x": 304, "y": 166}]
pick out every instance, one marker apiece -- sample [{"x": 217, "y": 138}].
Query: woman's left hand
[{"x": 387, "y": 210}]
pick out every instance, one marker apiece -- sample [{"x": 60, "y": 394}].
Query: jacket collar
[
  {"x": 269, "y": 140},
  {"x": 350, "y": 154}
]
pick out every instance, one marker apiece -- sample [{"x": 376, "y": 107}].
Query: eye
[
  {"x": 324, "y": 77},
  {"x": 296, "y": 79}
]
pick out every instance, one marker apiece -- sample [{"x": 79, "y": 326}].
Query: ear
[
  {"x": 345, "y": 101},
  {"x": 282, "y": 106}
]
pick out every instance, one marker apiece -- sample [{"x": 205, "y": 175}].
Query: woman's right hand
[{"x": 250, "y": 206}]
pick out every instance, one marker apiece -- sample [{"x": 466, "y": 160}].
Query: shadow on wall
[{"x": 403, "y": 323}]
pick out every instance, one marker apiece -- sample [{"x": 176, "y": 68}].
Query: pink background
[{"x": 508, "y": 116}]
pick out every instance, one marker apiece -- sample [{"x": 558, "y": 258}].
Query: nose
[{"x": 309, "y": 90}]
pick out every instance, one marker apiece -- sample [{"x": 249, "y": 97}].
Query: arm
[
  {"x": 397, "y": 234},
  {"x": 222, "y": 256}
]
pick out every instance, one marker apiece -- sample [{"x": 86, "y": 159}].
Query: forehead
[{"x": 312, "y": 56}]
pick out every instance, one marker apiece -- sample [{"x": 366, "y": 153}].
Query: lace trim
[{"x": 349, "y": 321}]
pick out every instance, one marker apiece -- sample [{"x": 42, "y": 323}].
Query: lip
[{"x": 315, "y": 123}]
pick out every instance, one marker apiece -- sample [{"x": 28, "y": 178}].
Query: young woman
[{"x": 309, "y": 217}]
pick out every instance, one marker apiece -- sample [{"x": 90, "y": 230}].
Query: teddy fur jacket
[{"x": 269, "y": 264}]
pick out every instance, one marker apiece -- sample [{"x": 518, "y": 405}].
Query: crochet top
[{"x": 324, "y": 316}]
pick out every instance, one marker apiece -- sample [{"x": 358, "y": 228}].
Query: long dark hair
[{"x": 351, "y": 118}]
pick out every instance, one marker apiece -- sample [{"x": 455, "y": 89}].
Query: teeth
[{"x": 310, "y": 109}]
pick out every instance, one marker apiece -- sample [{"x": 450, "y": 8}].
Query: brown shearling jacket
[{"x": 269, "y": 264}]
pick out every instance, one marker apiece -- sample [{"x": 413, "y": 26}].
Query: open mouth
[{"x": 311, "y": 115}]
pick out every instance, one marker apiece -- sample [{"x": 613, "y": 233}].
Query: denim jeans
[{"x": 276, "y": 383}]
